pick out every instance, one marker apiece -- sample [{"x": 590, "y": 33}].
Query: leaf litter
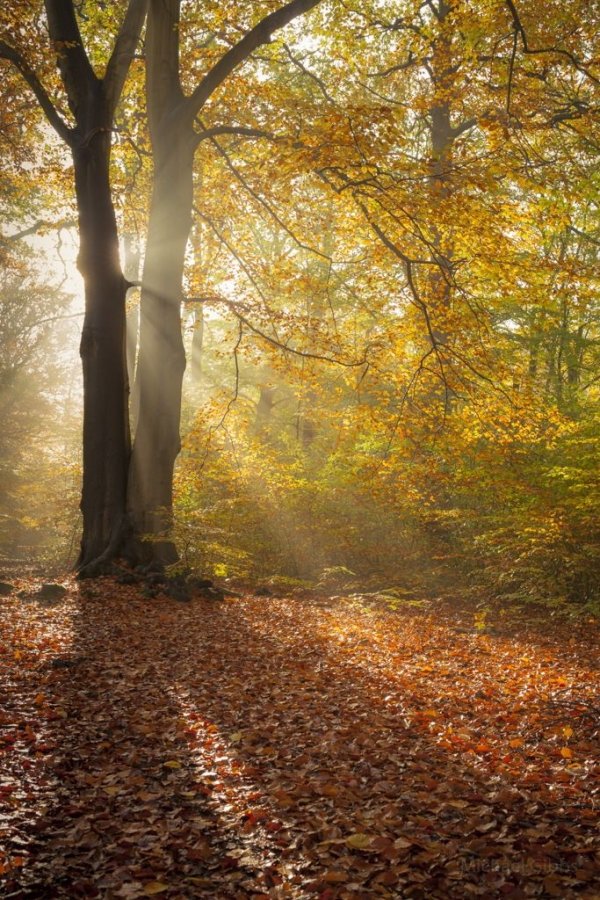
[{"x": 268, "y": 747}]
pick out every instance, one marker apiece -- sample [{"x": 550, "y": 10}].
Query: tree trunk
[
  {"x": 161, "y": 361},
  {"x": 106, "y": 440},
  {"x": 264, "y": 410},
  {"x": 197, "y": 344},
  {"x": 131, "y": 262}
]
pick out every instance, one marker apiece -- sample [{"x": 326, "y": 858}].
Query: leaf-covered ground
[{"x": 272, "y": 747}]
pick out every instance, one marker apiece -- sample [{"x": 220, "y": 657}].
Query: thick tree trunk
[
  {"x": 92, "y": 101},
  {"x": 161, "y": 361},
  {"x": 106, "y": 442}
]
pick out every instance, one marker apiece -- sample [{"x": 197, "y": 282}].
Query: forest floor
[{"x": 300, "y": 747}]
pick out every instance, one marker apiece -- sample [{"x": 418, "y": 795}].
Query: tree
[
  {"x": 92, "y": 100},
  {"x": 173, "y": 121}
]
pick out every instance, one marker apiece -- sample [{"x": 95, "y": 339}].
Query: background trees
[{"x": 389, "y": 293}]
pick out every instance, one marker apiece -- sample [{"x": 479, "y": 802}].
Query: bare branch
[{"x": 25, "y": 232}]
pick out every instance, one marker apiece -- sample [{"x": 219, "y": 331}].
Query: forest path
[{"x": 293, "y": 748}]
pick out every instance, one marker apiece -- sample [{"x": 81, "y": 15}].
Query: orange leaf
[{"x": 335, "y": 876}]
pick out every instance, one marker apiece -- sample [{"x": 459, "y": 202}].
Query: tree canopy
[{"x": 372, "y": 230}]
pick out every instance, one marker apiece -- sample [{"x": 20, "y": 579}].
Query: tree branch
[
  {"x": 239, "y": 53},
  {"x": 233, "y": 129},
  {"x": 235, "y": 309},
  {"x": 122, "y": 55},
  {"x": 231, "y": 249},
  {"x": 75, "y": 68},
  {"x": 587, "y": 237},
  {"x": 519, "y": 28},
  {"x": 260, "y": 200},
  {"x": 25, "y": 232},
  {"x": 33, "y": 229},
  {"x": 54, "y": 118},
  {"x": 302, "y": 68}
]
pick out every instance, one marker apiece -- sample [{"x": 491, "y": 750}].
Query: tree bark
[
  {"x": 161, "y": 361},
  {"x": 131, "y": 265},
  {"x": 105, "y": 387}
]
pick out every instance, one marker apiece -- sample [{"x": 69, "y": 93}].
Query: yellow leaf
[
  {"x": 112, "y": 791},
  {"x": 155, "y": 887},
  {"x": 567, "y": 732},
  {"x": 173, "y": 764},
  {"x": 359, "y": 841},
  {"x": 566, "y": 753},
  {"x": 236, "y": 737}
]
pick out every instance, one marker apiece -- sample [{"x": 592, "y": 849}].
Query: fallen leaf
[
  {"x": 335, "y": 876},
  {"x": 155, "y": 887},
  {"x": 359, "y": 841}
]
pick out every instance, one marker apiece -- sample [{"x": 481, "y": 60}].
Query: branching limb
[
  {"x": 262, "y": 202},
  {"x": 50, "y": 111},
  {"x": 305, "y": 354},
  {"x": 559, "y": 51},
  {"x": 123, "y": 51},
  {"x": 239, "y": 53},
  {"x": 307, "y": 72}
]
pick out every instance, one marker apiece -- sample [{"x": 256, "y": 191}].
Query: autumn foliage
[
  {"x": 294, "y": 746},
  {"x": 346, "y": 368}
]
